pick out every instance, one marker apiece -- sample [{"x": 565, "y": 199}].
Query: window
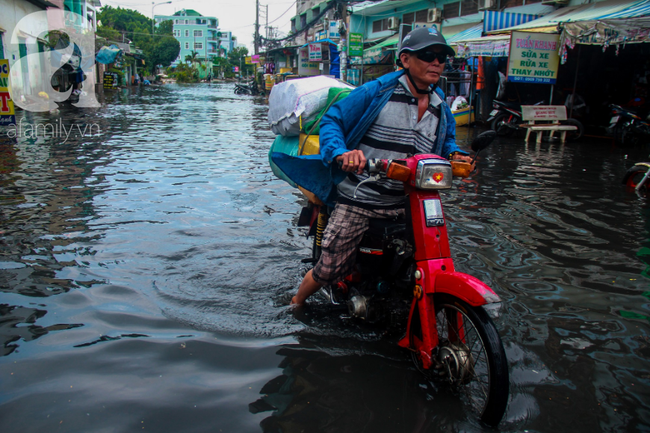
[
  {"x": 303, "y": 21},
  {"x": 176, "y": 21},
  {"x": 451, "y": 10},
  {"x": 187, "y": 45},
  {"x": 415, "y": 17},
  {"x": 468, "y": 7},
  {"x": 187, "y": 33},
  {"x": 293, "y": 26},
  {"x": 380, "y": 25},
  {"x": 198, "y": 45},
  {"x": 198, "y": 33},
  {"x": 187, "y": 21}
]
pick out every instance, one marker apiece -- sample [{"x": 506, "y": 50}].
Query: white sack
[
  {"x": 458, "y": 101},
  {"x": 293, "y": 98}
]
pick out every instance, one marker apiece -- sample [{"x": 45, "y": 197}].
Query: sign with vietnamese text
[
  {"x": 7, "y": 113},
  {"x": 533, "y": 57},
  {"x": 305, "y": 66},
  {"x": 315, "y": 52},
  {"x": 110, "y": 80},
  {"x": 355, "y": 47},
  {"x": 334, "y": 30}
]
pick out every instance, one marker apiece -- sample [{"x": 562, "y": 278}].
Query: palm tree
[{"x": 191, "y": 57}]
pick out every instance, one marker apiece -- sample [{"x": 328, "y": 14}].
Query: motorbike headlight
[{"x": 433, "y": 174}]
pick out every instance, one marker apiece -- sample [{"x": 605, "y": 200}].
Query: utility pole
[{"x": 257, "y": 26}]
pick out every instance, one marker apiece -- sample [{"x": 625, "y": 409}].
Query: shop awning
[
  {"x": 451, "y": 31},
  {"x": 320, "y": 41},
  {"x": 393, "y": 40},
  {"x": 489, "y": 46},
  {"x": 641, "y": 9},
  {"x": 474, "y": 32},
  {"x": 496, "y": 20},
  {"x": 592, "y": 11}
]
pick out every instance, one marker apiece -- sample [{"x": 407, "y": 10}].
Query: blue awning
[
  {"x": 320, "y": 41},
  {"x": 496, "y": 20}
]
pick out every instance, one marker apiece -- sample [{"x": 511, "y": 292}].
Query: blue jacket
[{"x": 341, "y": 130}]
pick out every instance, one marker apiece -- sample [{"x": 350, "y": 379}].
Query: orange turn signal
[
  {"x": 398, "y": 172},
  {"x": 462, "y": 168}
]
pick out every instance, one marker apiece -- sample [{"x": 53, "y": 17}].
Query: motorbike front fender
[
  {"x": 471, "y": 290},
  {"x": 441, "y": 278}
]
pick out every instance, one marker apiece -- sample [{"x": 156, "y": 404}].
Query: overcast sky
[{"x": 237, "y": 16}]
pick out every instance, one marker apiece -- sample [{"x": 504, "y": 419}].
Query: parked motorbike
[
  {"x": 506, "y": 117},
  {"x": 626, "y": 126},
  {"x": 404, "y": 268},
  {"x": 637, "y": 177},
  {"x": 250, "y": 88}
]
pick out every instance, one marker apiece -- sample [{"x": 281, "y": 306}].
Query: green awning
[{"x": 393, "y": 40}]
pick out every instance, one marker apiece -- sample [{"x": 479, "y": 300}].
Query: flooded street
[{"x": 147, "y": 246}]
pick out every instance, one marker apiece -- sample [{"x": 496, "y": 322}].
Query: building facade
[{"x": 195, "y": 32}]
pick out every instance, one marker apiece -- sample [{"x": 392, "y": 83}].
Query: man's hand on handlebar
[
  {"x": 460, "y": 157},
  {"x": 351, "y": 161}
]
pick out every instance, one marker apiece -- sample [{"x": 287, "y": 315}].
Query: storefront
[{"x": 605, "y": 37}]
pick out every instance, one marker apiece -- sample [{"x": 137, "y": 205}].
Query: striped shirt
[{"x": 395, "y": 134}]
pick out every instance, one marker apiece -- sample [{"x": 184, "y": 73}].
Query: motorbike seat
[{"x": 512, "y": 105}]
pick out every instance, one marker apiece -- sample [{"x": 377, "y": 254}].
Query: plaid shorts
[{"x": 341, "y": 239}]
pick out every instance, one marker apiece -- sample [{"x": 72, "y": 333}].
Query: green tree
[
  {"x": 162, "y": 52},
  {"x": 237, "y": 57},
  {"x": 125, "y": 24},
  {"x": 165, "y": 28}
]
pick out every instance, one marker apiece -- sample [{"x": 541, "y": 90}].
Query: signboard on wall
[
  {"x": 533, "y": 57},
  {"x": 305, "y": 66},
  {"x": 334, "y": 30},
  {"x": 355, "y": 47},
  {"x": 315, "y": 52},
  {"x": 7, "y": 113}
]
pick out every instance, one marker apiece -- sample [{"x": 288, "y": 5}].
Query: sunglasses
[{"x": 430, "y": 56}]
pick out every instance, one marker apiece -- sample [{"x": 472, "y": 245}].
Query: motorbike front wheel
[
  {"x": 634, "y": 175},
  {"x": 471, "y": 358},
  {"x": 504, "y": 124}
]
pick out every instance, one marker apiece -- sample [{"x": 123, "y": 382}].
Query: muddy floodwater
[{"x": 146, "y": 248}]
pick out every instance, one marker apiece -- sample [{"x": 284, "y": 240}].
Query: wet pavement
[{"x": 146, "y": 249}]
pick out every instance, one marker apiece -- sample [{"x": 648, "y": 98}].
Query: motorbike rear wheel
[
  {"x": 504, "y": 124},
  {"x": 574, "y": 135},
  {"x": 471, "y": 357}
]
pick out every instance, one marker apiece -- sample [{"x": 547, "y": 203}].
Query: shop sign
[
  {"x": 7, "y": 113},
  {"x": 255, "y": 58},
  {"x": 110, "y": 80},
  {"x": 377, "y": 56},
  {"x": 533, "y": 57},
  {"x": 248, "y": 60},
  {"x": 334, "y": 30},
  {"x": 315, "y": 52},
  {"x": 305, "y": 66},
  {"x": 355, "y": 47}
]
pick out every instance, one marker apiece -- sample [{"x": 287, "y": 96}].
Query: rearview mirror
[{"x": 483, "y": 140}]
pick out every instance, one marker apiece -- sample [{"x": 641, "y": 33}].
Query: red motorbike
[{"x": 406, "y": 263}]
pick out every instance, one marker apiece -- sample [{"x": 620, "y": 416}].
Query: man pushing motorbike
[{"x": 399, "y": 114}]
